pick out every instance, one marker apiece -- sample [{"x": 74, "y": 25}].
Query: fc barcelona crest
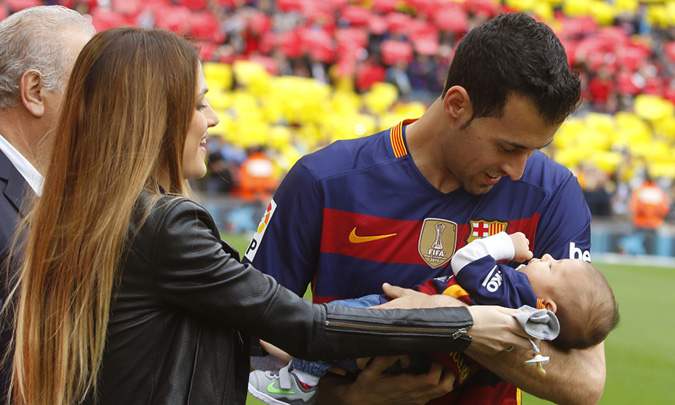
[
  {"x": 482, "y": 229},
  {"x": 437, "y": 241}
]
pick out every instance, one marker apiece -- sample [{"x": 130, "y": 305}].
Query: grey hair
[{"x": 36, "y": 38}]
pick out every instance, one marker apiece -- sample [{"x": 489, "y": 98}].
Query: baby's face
[{"x": 547, "y": 274}]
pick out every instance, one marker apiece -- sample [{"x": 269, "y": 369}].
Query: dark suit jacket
[{"x": 13, "y": 188}]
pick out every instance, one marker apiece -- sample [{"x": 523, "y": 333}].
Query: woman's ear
[{"x": 32, "y": 92}]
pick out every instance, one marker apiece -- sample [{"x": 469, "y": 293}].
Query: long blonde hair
[{"x": 122, "y": 127}]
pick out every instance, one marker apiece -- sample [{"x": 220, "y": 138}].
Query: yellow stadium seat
[
  {"x": 412, "y": 109},
  {"x": 218, "y": 75},
  {"x": 380, "y": 97},
  {"x": 652, "y": 107},
  {"x": 392, "y": 118},
  {"x": 607, "y": 161},
  {"x": 626, "y": 6},
  {"x": 656, "y": 15},
  {"x": 603, "y": 13},
  {"x": 279, "y": 137},
  {"x": 670, "y": 13},
  {"x": 344, "y": 102},
  {"x": 544, "y": 11},
  {"x": 223, "y": 125},
  {"x": 576, "y": 8},
  {"x": 665, "y": 127},
  {"x": 521, "y": 5},
  {"x": 252, "y": 75},
  {"x": 218, "y": 98}
]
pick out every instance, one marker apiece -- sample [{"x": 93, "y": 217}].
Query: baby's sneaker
[{"x": 278, "y": 388}]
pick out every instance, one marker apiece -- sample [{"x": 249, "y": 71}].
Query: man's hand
[
  {"x": 572, "y": 377},
  {"x": 373, "y": 386},
  {"x": 406, "y": 298}
]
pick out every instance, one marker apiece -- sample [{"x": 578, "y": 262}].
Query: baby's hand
[{"x": 521, "y": 246}]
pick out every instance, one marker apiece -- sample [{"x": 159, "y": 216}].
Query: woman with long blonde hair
[{"x": 126, "y": 292}]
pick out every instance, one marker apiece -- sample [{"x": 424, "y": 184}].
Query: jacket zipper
[{"x": 455, "y": 333}]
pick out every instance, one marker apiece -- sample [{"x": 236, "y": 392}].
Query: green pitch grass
[{"x": 641, "y": 351}]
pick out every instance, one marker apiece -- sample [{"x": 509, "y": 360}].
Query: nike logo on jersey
[{"x": 354, "y": 238}]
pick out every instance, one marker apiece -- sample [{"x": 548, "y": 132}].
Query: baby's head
[{"x": 579, "y": 295}]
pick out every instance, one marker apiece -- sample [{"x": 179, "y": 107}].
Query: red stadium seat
[
  {"x": 355, "y": 16},
  {"x": 205, "y": 26},
  {"x": 669, "y": 48},
  {"x": 398, "y": 23},
  {"x": 318, "y": 44},
  {"x": 377, "y": 25},
  {"x": 194, "y": 5},
  {"x": 384, "y": 6},
  {"x": 424, "y": 7},
  {"x": 173, "y": 18},
  {"x": 396, "y": 51},
  {"x": 18, "y": 5},
  {"x": 290, "y": 44},
  {"x": 287, "y": 6},
  {"x": 103, "y": 19},
  {"x": 451, "y": 18},
  {"x": 350, "y": 36}
]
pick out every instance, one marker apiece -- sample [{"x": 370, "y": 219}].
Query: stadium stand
[{"x": 290, "y": 76}]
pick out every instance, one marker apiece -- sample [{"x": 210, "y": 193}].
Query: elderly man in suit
[{"x": 38, "y": 47}]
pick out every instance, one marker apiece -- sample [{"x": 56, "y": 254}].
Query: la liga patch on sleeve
[{"x": 260, "y": 232}]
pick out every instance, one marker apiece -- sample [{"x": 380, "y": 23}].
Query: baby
[{"x": 573, "y": 289}]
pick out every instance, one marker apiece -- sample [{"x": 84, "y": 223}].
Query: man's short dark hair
[{"x": 514, "y": 54}]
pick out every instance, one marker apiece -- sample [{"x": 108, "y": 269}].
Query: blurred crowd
[{"x": 290, "y": 76}]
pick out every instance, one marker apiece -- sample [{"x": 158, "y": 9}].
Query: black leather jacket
[{"x": 185, "y": 308}]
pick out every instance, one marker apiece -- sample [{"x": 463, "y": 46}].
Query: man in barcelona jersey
[{"x": 394, "y": 207}]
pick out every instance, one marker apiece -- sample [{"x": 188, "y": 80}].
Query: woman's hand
[{"x": 495, "y": 329}]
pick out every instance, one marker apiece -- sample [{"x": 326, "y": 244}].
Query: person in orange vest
[
  {"x": 649, "y": 206},
  {"x": 258, "y": 178}
]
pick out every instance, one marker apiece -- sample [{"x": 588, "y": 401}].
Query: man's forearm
[{"x": 574, "y": 377}]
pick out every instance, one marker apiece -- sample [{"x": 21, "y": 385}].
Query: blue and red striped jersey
[{"x": 359, "y": 213}]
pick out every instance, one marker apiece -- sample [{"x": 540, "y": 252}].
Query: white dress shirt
[{"x": 30, "y": 173}]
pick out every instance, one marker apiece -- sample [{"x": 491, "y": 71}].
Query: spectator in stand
[
  {"x": 602, "y": 89},
  {"x": 220, "y": 168},
  {"x": 597, "y": 196},
  {"x": 669, "y": 91},
  {"x": 368, "y": 73},
  {"x": 258, "y": 178},
  {"x": 626, "y": 88},
  {"x": 671, "y": 196},
  {"x": 649, "y": 206},
  {"x": 397, "y": 74}
]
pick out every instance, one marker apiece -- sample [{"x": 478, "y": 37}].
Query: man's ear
[
  {"x": 32, "y": 92},
  {"x": 457, "y": 104},
  {"x": 549, "y": 304}
]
